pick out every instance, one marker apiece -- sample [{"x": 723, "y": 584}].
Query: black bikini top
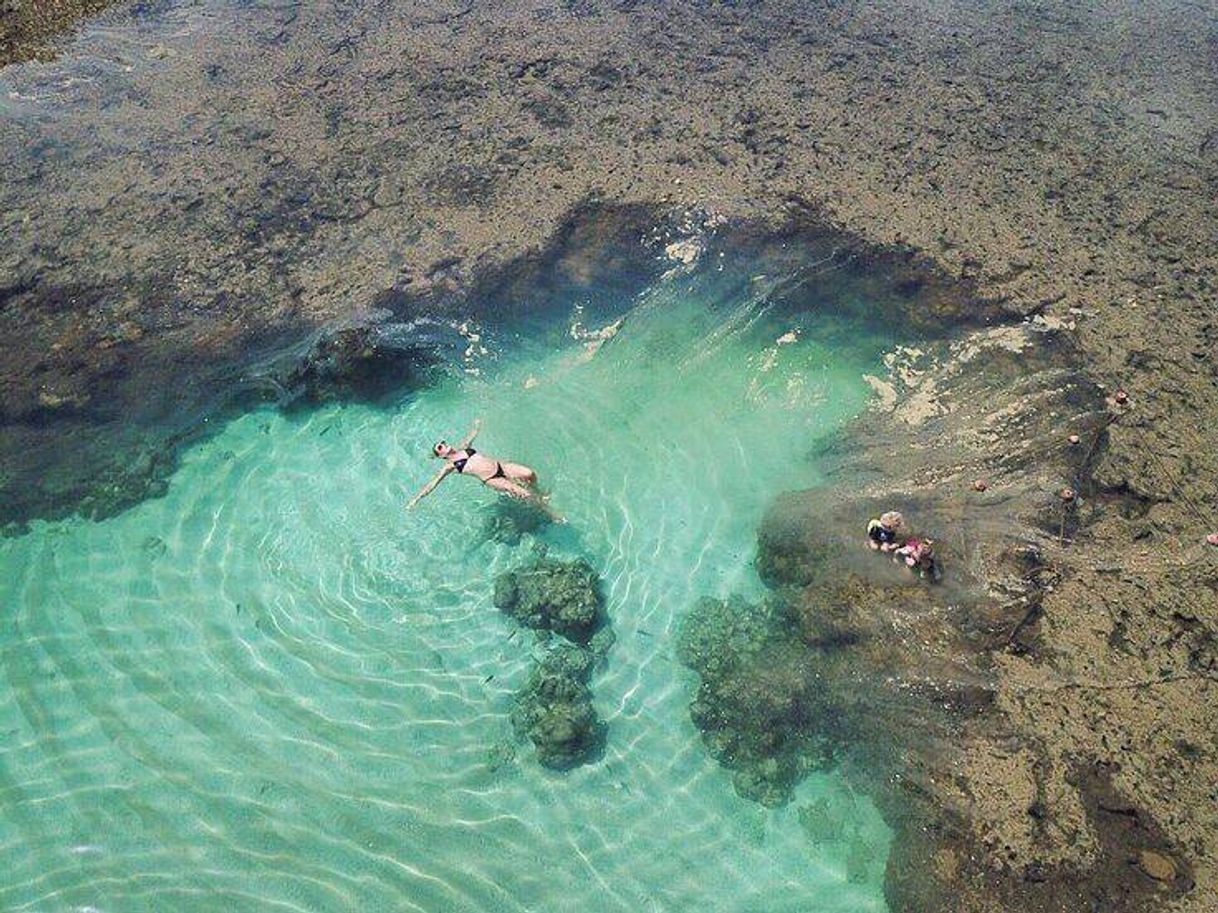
[{"x": 460, "y": 462}]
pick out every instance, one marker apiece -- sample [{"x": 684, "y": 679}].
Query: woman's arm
[
  {"x": 469, "y": 438},
  {"x": 430, "y": 486}
]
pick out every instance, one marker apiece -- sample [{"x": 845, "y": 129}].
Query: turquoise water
[{"x": 276, "y": 689}]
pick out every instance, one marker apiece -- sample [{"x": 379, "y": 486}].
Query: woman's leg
[
  {"x": 518, "y": 472},
  {"x": 508, "y": 487},
  {"x": 515, "y": 490}
]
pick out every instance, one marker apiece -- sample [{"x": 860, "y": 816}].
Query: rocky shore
[
  {"x": 36, "y": 29},
  {"x": 993, "y": 744},
  {"x": 189, "y": 228}
]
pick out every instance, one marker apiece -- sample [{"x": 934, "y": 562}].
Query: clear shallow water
[{"x": 276, "y": 689}]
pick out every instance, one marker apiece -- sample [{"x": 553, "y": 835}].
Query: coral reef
[
  {"x": 553, "y": 595},
  {"x": 760, "y": 695},
  {"x": 554, "y": 708}
]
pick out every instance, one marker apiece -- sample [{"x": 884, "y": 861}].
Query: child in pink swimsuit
[{"x": 919, "y": 556}]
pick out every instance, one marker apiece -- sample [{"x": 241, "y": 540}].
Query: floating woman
[{"x": 513, "y": 479}]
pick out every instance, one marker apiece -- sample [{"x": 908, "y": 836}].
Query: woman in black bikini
[{"x": 509, "y": 478}]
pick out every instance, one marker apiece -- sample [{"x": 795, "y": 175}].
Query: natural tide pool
[{"x": 276, "y": 689}]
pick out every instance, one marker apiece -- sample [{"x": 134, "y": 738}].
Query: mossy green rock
[
  {"x": 760, "y": 704},
  {"x": 554, "y": 709},
  {"x": 559, "y": 596}
]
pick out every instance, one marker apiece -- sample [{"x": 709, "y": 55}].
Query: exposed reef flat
[
  {"x": 35, "y": 29},
  {"x": 329, "y": 164},
  {"x": 992, "y": 742}
]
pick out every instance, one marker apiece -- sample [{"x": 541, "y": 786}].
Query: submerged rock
[
  {"x": 838, "y": 616},
  {"x": 602, "y": 641},
  {"x": 786, "y": 555},
  {"x": 832, "y": 663},
  {"x": 548, "y": 594},
  {"x": 357, "y": 364},
  {"x": 1156, "y": 865},
  {"x": 554, "y": 709},
  {"x": 760, "y": 697}
]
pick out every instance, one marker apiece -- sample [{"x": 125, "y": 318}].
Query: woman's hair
[
  {"x": 892, "y": 519},
  {"x": 435, "y": 448}
]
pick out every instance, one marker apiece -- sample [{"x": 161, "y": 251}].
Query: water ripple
[{"x": 276, "y": 689}]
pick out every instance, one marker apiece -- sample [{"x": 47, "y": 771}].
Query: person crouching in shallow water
[
  {"x": 885, "y": 533},
  {"x": 919, "y": 556},
  {"x": 513, "y": 479}
]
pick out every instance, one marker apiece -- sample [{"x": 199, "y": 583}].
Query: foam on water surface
[{"x": 275, "y": 688}]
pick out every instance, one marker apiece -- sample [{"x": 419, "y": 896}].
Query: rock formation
[
  {"x": 554, "y": 709},
  {"x": 552, "y": 595}
]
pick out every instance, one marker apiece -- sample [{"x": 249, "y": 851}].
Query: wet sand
[{"x": 1061, "y": 162}]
